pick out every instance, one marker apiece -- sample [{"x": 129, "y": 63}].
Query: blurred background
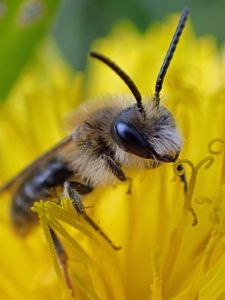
[{"x": 74, "y": 24}]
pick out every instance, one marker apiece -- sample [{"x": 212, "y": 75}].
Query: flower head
[{"x": 163, "y": 256}]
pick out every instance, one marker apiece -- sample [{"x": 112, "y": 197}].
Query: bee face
[
  {"x": 153, "y": 137},
  {"x": 148, "y": 134}
]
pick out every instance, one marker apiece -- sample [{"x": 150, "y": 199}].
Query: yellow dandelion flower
[{"x": 163, "y": 256}]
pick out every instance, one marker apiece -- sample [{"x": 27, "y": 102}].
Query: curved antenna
[
  {"x": 129, "y": 82},
  {"x": 169, "y": 55}
]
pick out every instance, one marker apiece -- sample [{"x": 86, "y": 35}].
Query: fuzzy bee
[{"x": 107, "y": 136}]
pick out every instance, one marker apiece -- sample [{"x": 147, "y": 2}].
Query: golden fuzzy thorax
[{"x": 91, "y": 128}]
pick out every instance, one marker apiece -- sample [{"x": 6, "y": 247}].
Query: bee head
[
  {"x": 148, "y": 132},
  {"x": 153, "y": 137}
]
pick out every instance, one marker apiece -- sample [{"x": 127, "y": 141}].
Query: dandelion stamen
[
  {"x": 218, "y": 213},
  {"x": 203, "y": 200},
  {"x": 178, "y": 233},
  {"x": 218, "y": 151},
  {"x": 156, "y": 286},
  {"x": 203, "y": 266}
]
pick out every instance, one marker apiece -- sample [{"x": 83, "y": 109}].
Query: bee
[{"x": 107, "y": 136}]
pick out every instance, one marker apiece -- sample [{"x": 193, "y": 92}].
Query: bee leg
[
  {"x": 82, "y": 189},
  {"x": 114, "y": 167},
  {"x": 62, "y": 256},
  {"x": 78, "y": 205},
  {"x": 129, "y": 190},
  {"x": 183, "y": 178},
  {"x": 117, "y": 171}
]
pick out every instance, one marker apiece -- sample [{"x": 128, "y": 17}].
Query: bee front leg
[
  {"x": 117, "y": 171},
  {"x": 78, "y": 205},
  {"x": 183, "y": 177},
  {"x": 114, "y": 167}
]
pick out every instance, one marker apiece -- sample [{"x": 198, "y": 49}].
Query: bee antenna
[
  {"x": 169, "y": 55},
  {"x": 129, "y": 82}
]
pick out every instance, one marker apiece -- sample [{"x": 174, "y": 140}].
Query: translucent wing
[{"x": 39, "y": 161}]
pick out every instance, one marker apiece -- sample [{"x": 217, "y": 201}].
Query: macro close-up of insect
[
  {"x": 107, "y": 135},
  {"x": 112, "y": 171}
]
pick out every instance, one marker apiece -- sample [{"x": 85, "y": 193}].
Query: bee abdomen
[{"x": 38, "y": 186}]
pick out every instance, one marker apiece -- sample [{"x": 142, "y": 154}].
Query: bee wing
[{"x": 42, "y": 159}]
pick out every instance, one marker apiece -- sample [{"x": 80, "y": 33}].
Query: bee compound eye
[{"x": 128, "y": 138}]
